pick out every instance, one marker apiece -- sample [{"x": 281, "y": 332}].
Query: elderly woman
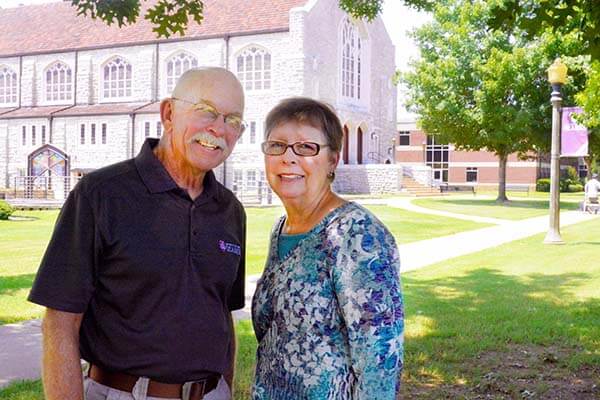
[{"x": 327, "y": 311}]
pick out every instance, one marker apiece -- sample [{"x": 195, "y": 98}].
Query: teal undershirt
[{"x": 286, "y": 243}]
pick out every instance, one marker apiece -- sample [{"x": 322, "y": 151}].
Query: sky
[{"x": 397, "y": 18}]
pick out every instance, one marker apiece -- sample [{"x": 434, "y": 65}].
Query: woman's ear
[{"x": 335, "y": 159}]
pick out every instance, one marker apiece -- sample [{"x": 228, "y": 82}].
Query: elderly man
[{"x": 147, "y": 260}]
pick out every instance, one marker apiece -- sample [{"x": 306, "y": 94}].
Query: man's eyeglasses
[
  {"x": 303, "y": 149},
  {"x": 209, "y": 114}
]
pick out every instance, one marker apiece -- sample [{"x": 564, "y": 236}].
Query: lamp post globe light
[{"x": 557, "y": 76}]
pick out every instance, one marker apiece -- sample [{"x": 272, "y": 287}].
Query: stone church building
[{"x": 76, "y": 94}]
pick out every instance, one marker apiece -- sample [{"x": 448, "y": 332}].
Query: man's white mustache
[{"x": 210, "y": 139}]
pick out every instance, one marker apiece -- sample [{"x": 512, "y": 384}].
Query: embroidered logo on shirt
[{"x": 230, "y": 247}]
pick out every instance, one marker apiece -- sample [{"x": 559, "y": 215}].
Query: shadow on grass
[
  {"x": 584, "y": 243},
  {"x": 452, "y": 320},
  {"x": 532, "y": 204},
  {"x": 13, "y": 283}
]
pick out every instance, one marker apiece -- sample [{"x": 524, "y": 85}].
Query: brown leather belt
[{"x": 125, "y": 383}]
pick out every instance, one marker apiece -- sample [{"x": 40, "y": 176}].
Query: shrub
[
  {"x": 543, "y": 185},
  {"x": 5, "y": 210},
  {"x": 577, "y": 187},
  {"x": 572, "y": 175}
]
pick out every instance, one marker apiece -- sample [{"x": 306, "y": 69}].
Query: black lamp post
[{"x": 557, "y": 76}]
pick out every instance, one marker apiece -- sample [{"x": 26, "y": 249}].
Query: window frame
[
  {"x": 93, "y": 133},
  {"x": 357, "y": 59},
  {"x": 177, "y": 55},
  {"x": 68, "y": 86},
  {"x": 104, "y": 133},
  {"x": 103, "y": 98},
  {"x": 403, "y": 135},
  {"x": 82, "y": 134},
  {"x": 253, "y": 51},
  {"x": 11, "y": 86},
  {"x": 158, "y": 129},
  {"x": 471, "y": 170}
]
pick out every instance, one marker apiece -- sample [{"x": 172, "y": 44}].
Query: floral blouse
[{"x": 329, "y": 317}]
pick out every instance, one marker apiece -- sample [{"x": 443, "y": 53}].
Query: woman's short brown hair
[{"x": 304, "y": 110}]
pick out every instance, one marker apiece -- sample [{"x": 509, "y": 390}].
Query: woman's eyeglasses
[
  {"x": 303, "y": 149},
  {"x": 209, "y": 114}
]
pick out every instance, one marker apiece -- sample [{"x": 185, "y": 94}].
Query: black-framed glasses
[
  {"x": 209, "y": 114},
  {"x": 303, "y": 149}
]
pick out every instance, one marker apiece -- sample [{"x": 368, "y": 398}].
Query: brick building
[{"x": 414, "y": 148}]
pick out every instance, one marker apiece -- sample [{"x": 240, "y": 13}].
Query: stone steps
[{"x": 417, "y": 189}]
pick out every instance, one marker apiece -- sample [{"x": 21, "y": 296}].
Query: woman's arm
[{"x": 367, "y": 285}]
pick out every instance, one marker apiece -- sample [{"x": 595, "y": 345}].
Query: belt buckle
[{"x": 197, "y": 390}]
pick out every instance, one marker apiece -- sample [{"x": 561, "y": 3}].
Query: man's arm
[
  {"x": 232, "y": 348},
  {"x": 61, "y": 366}
]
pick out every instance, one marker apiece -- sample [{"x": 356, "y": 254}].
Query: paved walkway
[{"x": 20, "y": 344}]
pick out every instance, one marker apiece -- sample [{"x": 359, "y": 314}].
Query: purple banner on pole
[{"x": 574, "y": 136}]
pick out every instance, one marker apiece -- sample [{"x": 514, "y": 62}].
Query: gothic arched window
[
  {"x": 352, "y": 68},
  {"x": 59, "y": 82},
  {"x": 254, "y": 68},
  {"x": 8, "y": 85},
  {"x": 176, "y": 66},
  {"x": 117, "y": 74}
]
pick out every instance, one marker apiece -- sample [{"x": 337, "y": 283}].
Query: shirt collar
[{"x": 157, "y": 179}]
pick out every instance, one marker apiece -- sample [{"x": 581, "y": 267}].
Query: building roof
[
  {"x": 33, "y": 112},
  {"x": 63, "y": 30},
  {"x": 101, "y": 109},
  {"x": 4, "y": 110},
  {"x": 152, "y": 108}
]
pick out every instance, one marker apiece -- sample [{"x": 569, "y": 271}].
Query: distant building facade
[
  {"x": 76, "y": 95},
  {"x": 456, "y": 167}
]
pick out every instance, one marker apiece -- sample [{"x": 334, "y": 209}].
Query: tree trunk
[
  {"x": 588, "y": 164},
  {"x": 503, "y": 159}
]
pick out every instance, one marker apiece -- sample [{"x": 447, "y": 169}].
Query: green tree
[
  {"x": 589, "y": 100},
  {"x": 485, "y": 90},
  {"x": 562, "y": 16},
  {"x": 169, "y": 17}
]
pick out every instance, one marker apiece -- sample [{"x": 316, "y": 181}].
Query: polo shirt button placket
[{"x": 193, "y": 230}]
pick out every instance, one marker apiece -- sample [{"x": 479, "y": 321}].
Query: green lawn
[
  {"x": 22, "y": 245},
  {"x": 485, "y": 206},
  {"x": 521, "y": 293},
  {"x": 407, "y": 226},
  {"x": 519, "y": 317}
]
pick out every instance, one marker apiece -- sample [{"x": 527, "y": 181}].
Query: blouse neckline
[{"x": 314, "y": 230}]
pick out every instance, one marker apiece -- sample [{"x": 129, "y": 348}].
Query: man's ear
[{"x": 166, "y": 115}]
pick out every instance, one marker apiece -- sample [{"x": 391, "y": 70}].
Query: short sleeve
[
  {"x": 65, "y": 279},
  {"x": 237, "y": 297},
  {"x": 367, "y": 284}
]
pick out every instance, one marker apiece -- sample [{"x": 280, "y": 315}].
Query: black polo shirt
[{"x": 155, "y": 273}]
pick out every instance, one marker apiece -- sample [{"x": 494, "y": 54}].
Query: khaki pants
[{"x": 94, "y": 391}]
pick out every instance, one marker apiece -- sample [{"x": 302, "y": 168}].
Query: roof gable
[{"x": 56, "y": 27}]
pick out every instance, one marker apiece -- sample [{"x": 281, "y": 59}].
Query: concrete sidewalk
[{"x": 20, "y": 344}]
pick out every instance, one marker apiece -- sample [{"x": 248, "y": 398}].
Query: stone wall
[{"x": 368, "y": 178}]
